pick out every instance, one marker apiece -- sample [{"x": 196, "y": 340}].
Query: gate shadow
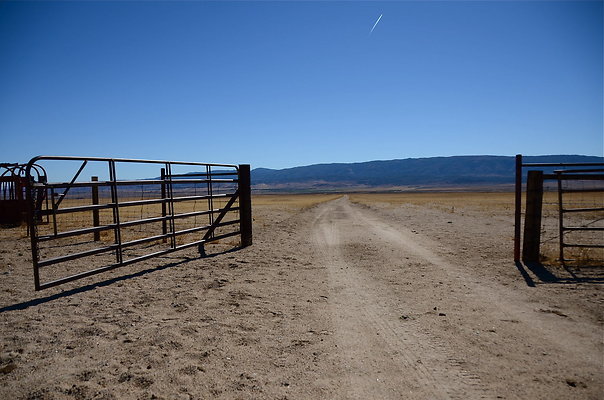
[
  {"x": 538, "y": 273},
  {"x": 34, "y": 302}
]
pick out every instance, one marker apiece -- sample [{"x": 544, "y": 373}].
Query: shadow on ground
[
  {"x": 537, "y": 273},
  {"x": 92, "y": 286}
]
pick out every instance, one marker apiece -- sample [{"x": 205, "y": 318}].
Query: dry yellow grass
[
  {"x": 501, "y": 202},
  {"x": 299, "y": 201}
]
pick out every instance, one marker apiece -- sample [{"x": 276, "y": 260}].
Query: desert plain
[{"x": 358, "y": 296}]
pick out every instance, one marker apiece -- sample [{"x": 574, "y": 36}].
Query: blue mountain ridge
[{"x": 454, "y": 170}]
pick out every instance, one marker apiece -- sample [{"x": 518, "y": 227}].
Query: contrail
[{"x": 376, "y": 22}]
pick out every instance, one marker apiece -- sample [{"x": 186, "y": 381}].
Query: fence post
[
  {"x": 518, "y": 207},
  {"x": 95, "y": 213},
  {"x": 245, "y": 205},
  {"x": 532, "y": 219},
  {"x": 164, "y": 225}
]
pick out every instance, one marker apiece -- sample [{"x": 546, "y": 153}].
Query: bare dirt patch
[{"x": 349, "y": 298}]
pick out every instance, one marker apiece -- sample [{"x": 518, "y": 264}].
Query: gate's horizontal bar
[
  {"x": 566, "y": 210},
  {"x": 56, "y": 185},
  {"x": 197, "y": 213},
  {"x": 562, "y": 164},
  {"x": 106, "y": 206},
  {"x": 202, "y": 174},
  {"x": 580, "y": 177},
  {"x": 84, "y": 231},
  {"x": 99, "y": 250},
  {"x": 130, "y": 261},
  {"x": 590, "y": 190},
  {"x": 580, "y": 171},
  {"x": 581, "y": 228},
  {"x": 215, "y": 238},
  {"x": 75, "y": 256},
  {"x": 201, "y": 228},
  {"x": 213, "y": 196},
  {"x": 586, "y": 246},
  {"x": 128, "y": 160}
]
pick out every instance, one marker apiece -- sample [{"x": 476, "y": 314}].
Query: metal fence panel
[{"x": 111, "y": 219}]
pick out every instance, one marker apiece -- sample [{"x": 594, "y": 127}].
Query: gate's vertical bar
[
  {"x": 164, "y": 225},
  {"x": 32, "y": 225},
  {"x": 95, "y": 213},
  {"x": 532, "y": 219},
  {"x": 245, "y": 205},
  {"x": 54, "y": 210},
  {"x": 210, "y": 197},
  {"x": 171, "y": 205},
  {"x": 560, "y": 216},
  {"x": 116, "y": 212},
  {"x": 518, "y": 207}
]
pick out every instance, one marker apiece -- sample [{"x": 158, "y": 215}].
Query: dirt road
[
  {"x": 412, "y": 324},
  {"x": 336, "y": 301}
]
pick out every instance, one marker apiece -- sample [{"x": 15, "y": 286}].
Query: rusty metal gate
[
  {"x": 114, "y": 217},
  {"x": 579, "y": 211},
  {"x": 13, "y": 183},
  {"x": 589, "y": 218}
]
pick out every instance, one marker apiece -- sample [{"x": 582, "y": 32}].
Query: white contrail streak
[{"x": 376, "y": 22}]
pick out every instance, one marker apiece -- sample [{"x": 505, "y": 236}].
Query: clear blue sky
[{"x": 282, "y": 84}]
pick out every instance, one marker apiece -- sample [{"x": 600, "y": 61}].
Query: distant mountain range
[{"x": 430, "y": 172}]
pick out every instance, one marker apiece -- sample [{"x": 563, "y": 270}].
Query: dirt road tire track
[
  {"x": 391, "y": 355},
  {"x": 385, "y": 358}
]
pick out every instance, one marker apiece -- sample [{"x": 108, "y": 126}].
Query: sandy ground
[{"x": 336, "y": 301}]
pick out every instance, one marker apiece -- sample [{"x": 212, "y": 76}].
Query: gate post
[
  {"x": 532, "y": 218},
  {"x": 95, "y": 213},
  {"x": 517, "y": 207},
  {"x": 164, "y": 225},
  {"x": 245, "y": 205}
]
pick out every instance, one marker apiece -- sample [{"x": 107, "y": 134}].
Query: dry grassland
[
  {"x": 493, "y": 202},
  {"x": 389, "y": 296},
  {"x": 299, "y": 201}
]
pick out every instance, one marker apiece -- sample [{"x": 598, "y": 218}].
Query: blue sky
[{"x": 282, "y": 84}]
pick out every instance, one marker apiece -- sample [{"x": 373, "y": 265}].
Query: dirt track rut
[{"x": 411, "y": 343}]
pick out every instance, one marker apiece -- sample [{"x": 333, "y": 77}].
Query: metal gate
[
  {"x": 13, "y": 183},
  {"x": 590, "y": 217},
  {"x": 115, "y": 217},
  {"x": 579, "y": 205}
]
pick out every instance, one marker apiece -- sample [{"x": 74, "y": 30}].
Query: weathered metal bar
[
  {"x": 582, "y": 177},
  {"x": 78, "y": 232},
  {"x": 96, "y": 221},
  {"x": 562, "y": 164},
  {"x": 75, "y": 256},
  {"x": 586, "y": 246},
  {"x": 210, "y": 191},
  {"x": 245, "y": 204},
  {"x": 215, "y": 238},
  {"x": 116, "y": 211},
  {"x": 234, "y": 173},
  {"x": 580, "y": 210},
  {"x": 518, "y": 207},
  {"x": 201, "y": 228},
  {"x": 171, "y": 205},
  {"x": 573, "y": 171},
  {"x": 560, "y": 219},
  {"x": 70, "y": 184},
  {"x": 594, "y": 190},
  {"x": 32, "y": 226},
  {"x": 210, "y": 231},
  {"x": 69, "y": 210},
  {"x": 58, "y": 185},
  {"x": 583, "y": 228},
  {"x": 124, "y": 160},
  {"x": 164, "y": 225},
  {"x": 532, "y": 221},
  {"x": 170, "y": 182}
]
